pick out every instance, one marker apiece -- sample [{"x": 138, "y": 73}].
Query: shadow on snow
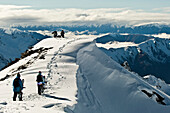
[{"x": 54, "y": 97}]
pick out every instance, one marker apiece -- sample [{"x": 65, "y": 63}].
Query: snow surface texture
[
  {"x": 14, "y": 42},
  {"x": 80, "y": 79},
  {"x": 105, "y": 87}
]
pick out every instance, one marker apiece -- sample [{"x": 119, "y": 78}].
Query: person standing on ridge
[
  {"x": 55, "y": 34},
  {"x": 62, "y": 33},
  {"x": 17, "y": 87},
  {"x": 40, "y": 82}
]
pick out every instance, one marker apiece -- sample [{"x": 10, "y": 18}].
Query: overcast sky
[
  {"x": 90, "y": 4},
  {"x": 127, "y": 12}
]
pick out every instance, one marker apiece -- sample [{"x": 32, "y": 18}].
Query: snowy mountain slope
[
  {"x": 105, "y": 87},
  {"x": 151, "y": 56},
  {"x": 81, "y": 79},
  {"x": 13, "y": 42},
  {"x": 59, "y": 67}
]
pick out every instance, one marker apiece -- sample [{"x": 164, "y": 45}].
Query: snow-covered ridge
[
  {"x": 13, "y": 42},
  {"x": 105, "y": 87},
  {"x": 81, "y": 79},
  {"x": 59, "y": 66}
]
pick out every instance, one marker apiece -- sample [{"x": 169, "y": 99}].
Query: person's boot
[{"x": 14, "y": 99}]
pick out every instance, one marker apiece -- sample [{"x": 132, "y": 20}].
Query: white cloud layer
[
  {"x": 24, "y": 15},
  {"x": 164, "y": 9}
]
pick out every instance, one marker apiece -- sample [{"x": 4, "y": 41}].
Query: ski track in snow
[{"x": 60, "y": 69}]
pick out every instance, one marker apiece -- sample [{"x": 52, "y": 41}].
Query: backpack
[
  {"x": 39, "y": 78},
  {"x": 16, "y": 82}
]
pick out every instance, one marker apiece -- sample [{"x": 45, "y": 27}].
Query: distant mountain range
[
  {"x": 154, "y": 28},
  {"x": 151, "y": 56}
]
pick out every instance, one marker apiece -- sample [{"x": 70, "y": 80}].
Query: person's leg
[
  {"x": 62, "y": 35},
  {"x": 20, "y": 96},
  {"x": 42, "y": 88},
  {"x": 15, "y": 96},
  {"x": 39, "y": 89}
]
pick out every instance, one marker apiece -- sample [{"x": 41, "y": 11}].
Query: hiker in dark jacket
[
  {"x": 40, "y": 82},
  {"x": 55, "y": 34},
  {"x": 62, "y": 33},
  {"x": 17, "y": 87}
]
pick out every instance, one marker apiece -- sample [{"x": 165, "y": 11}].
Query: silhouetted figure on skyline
[
  {"x": 62, "y": 33},
  {"x": 55, "y": 34}
]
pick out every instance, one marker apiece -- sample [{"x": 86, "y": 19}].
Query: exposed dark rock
[{"x": 159, "y": 98}]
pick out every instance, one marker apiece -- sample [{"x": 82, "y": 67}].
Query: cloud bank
[
  {"x": 25, "y": 15},
  {"x": 164, "y": 9}
]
